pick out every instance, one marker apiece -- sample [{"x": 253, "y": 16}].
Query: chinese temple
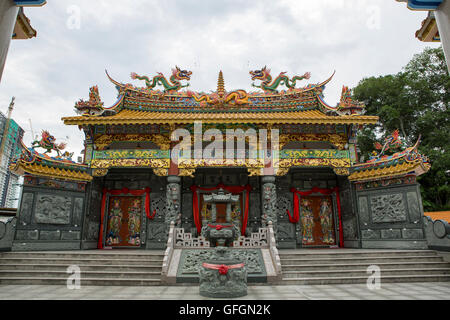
[{"x": 296, "y": 170}]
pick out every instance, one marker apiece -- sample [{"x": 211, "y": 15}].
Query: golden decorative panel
[
  {"x": 152, "y": 163},
  {"x": 104, "y": 140},
  {"x": 336, "y": 139},
  {"x": 186, "y": 173},
  {"x": 249, "y": 163},
  {"x": 99, "y": 172},
  {"x": 342, "y": 171},
  {"x": 162, "y": 172},
  {"x": 334, "y": 163}
]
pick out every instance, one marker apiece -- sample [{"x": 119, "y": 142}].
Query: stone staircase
[
  {"x": 98, "y": 268},
  {"x": 346, "y": 266}
]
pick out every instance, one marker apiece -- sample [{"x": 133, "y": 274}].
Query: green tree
[{"x": 417, "y": 102}]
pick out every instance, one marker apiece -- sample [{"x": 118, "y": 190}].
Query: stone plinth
[{"x": 222, "y": 276}]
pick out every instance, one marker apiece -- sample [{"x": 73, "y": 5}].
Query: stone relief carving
[
  {"x": 269, "y": 211},
  {"x": 52, "y": 209},
  {"x": 157, "y": 231},
  {"x": 254, "y": 215},
  {"x": 93, "y": 229},
  {"x": 255, "y": 205},
  {"x": 413, "y": 203},
  {"x": 194, "y": 258},
  {"x": 286, "y": 231},
  {"x": 363, "y": 210},
  {"x": 349, "y": 229},
  {"x": 388, "y": 208},
  {"x": 230, "y": 285},
  {"x": 77, "y": 211},
  {"x": 158, "y": 203},
  {"x": 173, "y": 204},
  {"x": 283, "y": 203},
  {"x": 370, "y": 234},
  {"x": 187, "y": 205},
  {"x": 346, "y": 206},
  {"x": 26, "y": 208}
]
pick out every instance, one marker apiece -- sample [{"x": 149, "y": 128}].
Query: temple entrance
[
  {"x": 124, "y": 221},
  {"x": 317, "y": 223},
  {"x": 221, "y": 211}
]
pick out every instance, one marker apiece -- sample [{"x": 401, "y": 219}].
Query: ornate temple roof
[
  {"x": 147, "y": 105},
  {"x": 23, "y": 28},
  {"x": 37, "y": 164},
  {"x": 422, "y": 4},
  {"x": 408, "y": 161},
  {"x": 429, "y": 31},
  {"x": 236, "y": 116}
]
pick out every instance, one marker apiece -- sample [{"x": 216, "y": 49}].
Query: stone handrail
[
  {"x": 186, "y": 240},
  {"x": 169, "y": 252},
  {"x": 258, "y": 239},
  {"x": 273, "y": 250},
  {"x": 7, "y": 230}
]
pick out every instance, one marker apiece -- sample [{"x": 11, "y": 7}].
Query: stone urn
[
  {"x": 222, "y": 276},
  {"x": 221, "y": 234}
]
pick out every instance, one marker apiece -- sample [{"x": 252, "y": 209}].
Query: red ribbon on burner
[
  {"x": 223, "y": 269},
  {"x": 218, "y": 227}
]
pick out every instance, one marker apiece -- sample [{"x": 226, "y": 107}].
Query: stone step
[
  {"x": 83, "y": 282},
  {"x": 370, "y": 260},
  {"x": 79, "y": 261},
  {"x": 105, "y": 267},
  {"x": 85, "y": 274},
  {"x": 64, "y": 255},
  {"x": 340, "y": 254},
  {"x": 363, "y": 272},
  {"x": 351, "y": 280},
  {"x": 383, "y": 265}
]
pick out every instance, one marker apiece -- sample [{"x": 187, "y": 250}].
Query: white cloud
[{"x": 50, "y": 73}]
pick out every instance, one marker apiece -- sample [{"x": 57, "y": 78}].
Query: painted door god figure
[
  {"x": 326, "y": 221},
  {"x": 115, "y": 223},
  {"x": 134, "y": 223},
  {"x": 307, "y": 218}
]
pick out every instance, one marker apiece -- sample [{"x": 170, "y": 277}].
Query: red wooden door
[
  {"x": 124, "y": 222},
  {"x": 316, "y": 218}
]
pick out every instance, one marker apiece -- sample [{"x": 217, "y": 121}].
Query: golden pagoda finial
[{"x": 220, "y": 85}]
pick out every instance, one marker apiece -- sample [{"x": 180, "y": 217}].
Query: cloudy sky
[{"x": 78, "y": 39}]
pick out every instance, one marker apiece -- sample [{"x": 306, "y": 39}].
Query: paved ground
[{"x": 388, "y": 291}]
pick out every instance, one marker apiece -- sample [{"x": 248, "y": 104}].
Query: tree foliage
[{"x": 417, "y": 102}]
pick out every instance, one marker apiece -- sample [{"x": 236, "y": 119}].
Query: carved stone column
[
  {"x": 269, "y": 199},
  {"x": 173, "y": 196}
]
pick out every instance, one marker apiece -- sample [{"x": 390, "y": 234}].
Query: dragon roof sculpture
[
  {"x": 149, "y": 104},
  {"x": 348, "y": 105}
]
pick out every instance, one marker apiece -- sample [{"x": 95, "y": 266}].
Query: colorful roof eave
[
  {"x": 162, "y": 117},
  {"x": 422, "y": 5},
  {"x": 23, "y": 28},
  {"x": 30, "y": 3},
  {"x": 47, "y": 167},
  {"x": 429, "y": 31},
  {"x": 406, "y": 162},
  {"x": 35, "y": 169},
  {"x": 414, "y": 168}
]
